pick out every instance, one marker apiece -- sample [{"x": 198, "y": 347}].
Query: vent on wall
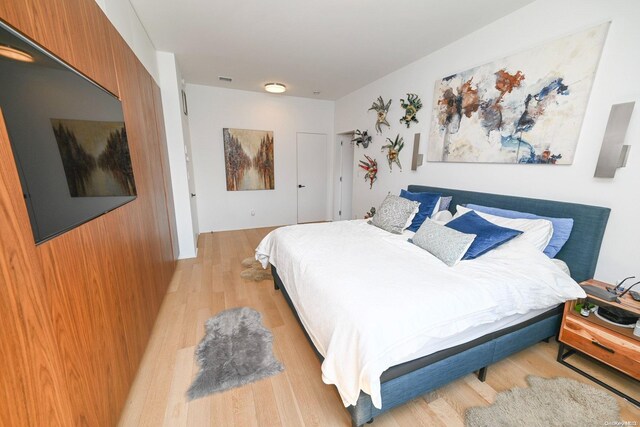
[{"x": 225, "y": 79}]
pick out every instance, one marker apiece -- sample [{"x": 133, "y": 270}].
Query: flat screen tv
[{"x": 68, "y": 138}]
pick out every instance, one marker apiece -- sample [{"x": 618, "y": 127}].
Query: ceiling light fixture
[
  {"x": 275, "y": 87},
  {"x": 15, "y": 53}
]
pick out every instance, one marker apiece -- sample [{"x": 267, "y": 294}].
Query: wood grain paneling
[
  {"x": 603, "y": 344},
  {"x": 78, "y": 309},
  {"x": 74, "y": 30},
  {"x": 32, "y": 391},
  {"x": 17, "y": 15},
  {"x": 92, "y": 33},
  {"x": 136, "y": 86},
  {"x": 164, "y": 156}
]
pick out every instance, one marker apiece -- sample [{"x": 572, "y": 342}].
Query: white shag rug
[{"x": 547, "y": 402}]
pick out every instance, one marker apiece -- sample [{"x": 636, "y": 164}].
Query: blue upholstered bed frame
[
  {"x": 583, "y": 247},
  {"x": 581, "y": 255}
]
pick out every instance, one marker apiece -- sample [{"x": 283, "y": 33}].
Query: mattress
[{"x": 476, "y": 332}]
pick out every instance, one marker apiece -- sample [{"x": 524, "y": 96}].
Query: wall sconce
[
  {"x": 613, "y": 153},
  {"x": 416, "y": 160}
]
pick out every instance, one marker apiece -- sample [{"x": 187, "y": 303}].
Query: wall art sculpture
[
  {"x": 362, "y": 137},
  {"x": 371, "y": 213},
  {"x": 381, "y": 109},
  {"x": 393, "y": 151},
  {"x": 411, "y": 106},
  {"x": 371, "y": 167}
]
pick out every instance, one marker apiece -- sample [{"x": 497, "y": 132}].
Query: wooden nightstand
[{"x": 610, "y": 344}]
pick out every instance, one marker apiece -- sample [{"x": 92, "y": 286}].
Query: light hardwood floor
[{"x": 210, "y": 283}]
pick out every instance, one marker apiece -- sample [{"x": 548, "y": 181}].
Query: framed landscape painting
[
  {"x": 526, "y": 108},
  {"x": 248, "y": 159}
]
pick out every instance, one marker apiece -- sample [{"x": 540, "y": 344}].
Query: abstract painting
[
  {"x": 95, "y": 157},
  {"x": 248, "y": 159},
  {"x": 526, "y": 108}
]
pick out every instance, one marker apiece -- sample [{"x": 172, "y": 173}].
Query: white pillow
[
  {"x": 436, "y": 208},
  {"x": 413, "y": 215},
  {"x": 538, "y": 232},
  {"x": 442, "y": 217},
  {"x": 561, "y": 265}
]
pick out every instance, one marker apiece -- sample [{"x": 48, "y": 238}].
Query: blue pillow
[
  {"x": 488, "y": 235},
  {"x": 561, "y": 226},
  {"x": 427, "y": 204}
]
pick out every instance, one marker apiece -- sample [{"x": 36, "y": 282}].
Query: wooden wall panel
[
  {"x": 156, "y": 168},
  {"x": 137, "y": 97},
  {"x": 32, "y": 391},
  {"x": 92, "y": 32},
  {"x": 84, "y": 291},
  {"x": 50, "y": 27},
  {"x": 17, "y": 15},
  {"x": 164, "y": 156},
  {"x": 74, "y": 30},
  {"x": 79, "y": 308}
]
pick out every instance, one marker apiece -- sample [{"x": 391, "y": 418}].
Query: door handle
[
  {"x": 301, "y": 186},
  {"x": 193, "y": 194}
]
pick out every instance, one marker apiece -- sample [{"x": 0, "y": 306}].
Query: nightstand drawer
[{"x": 612, "y": 349}]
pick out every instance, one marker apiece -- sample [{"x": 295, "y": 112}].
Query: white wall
[
  {"x": 123, "y": 16},
  {"x": 530, "y": 26},
  {"x": 177, "y": 130},
  {"x": 212, "y": 109}
]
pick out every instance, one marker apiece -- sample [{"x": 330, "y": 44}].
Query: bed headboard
[{"x": 583, "y": 247}]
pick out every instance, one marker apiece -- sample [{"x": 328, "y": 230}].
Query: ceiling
[{"x": 330, "y": 46}]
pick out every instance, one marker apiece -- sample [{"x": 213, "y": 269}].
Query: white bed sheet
[{"x": 370, "y": 300}]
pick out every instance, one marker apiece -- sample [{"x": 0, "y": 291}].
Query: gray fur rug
[
  {"x": 237, "y": 349},
  {"x": 547, "y": 402}
]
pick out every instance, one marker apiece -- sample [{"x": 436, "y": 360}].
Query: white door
[
  {"x": 343, "y": 177},
  {"x": 346, "y": 180},
  {"x": 312, "y": 177}
]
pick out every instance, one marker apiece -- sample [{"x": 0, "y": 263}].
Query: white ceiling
[{"x": 331, "y": 46}]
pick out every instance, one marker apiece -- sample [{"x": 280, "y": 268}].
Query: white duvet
[{"x": 369, "y": 298}]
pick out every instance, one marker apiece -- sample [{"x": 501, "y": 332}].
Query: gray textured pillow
[
  {"x": 445, "y": 201},
  {"x": 446, "y": 244},
  {"x": 393, "y": 214}
]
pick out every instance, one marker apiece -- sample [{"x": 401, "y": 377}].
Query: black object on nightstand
[{"x": 600, "y": 292}]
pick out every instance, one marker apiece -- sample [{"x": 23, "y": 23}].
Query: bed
[{"x": 472, "y": 352}]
